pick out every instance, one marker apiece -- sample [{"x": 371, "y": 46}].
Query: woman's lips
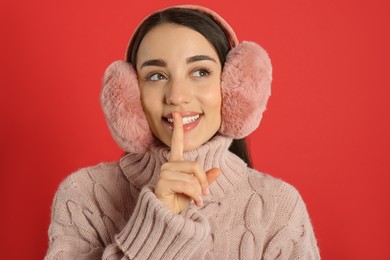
[{"x": 190, "y": 120}]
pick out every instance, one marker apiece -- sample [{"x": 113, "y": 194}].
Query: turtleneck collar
[{"x": 144, "y": 169}]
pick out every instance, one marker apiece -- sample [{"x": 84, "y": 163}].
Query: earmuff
[{"x": 245, "y": 87}]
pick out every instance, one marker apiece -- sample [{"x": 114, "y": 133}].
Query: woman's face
[{"x": 179, "y": 70}]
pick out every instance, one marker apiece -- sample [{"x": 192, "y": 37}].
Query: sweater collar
[{"x": 143, "y": 169}]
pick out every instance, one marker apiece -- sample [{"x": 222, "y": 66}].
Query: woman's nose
[{"x": 178, "y": 92}]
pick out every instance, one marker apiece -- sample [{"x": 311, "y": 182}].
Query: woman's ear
[
  {"x": 245, "y": 86},
  {"x": 121, "y": 103}
]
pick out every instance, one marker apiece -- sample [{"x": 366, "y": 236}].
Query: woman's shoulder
[
  {"x": 89, "y": 183},
  {"x": 277, "y": 202},
  {"x": 90, "y": 196},
  {"x": 266, "y": 181},
  {"x": 90, "y": 175},
  {"x": 285, "y": 216},
  {"x": 273, "y": 190}
]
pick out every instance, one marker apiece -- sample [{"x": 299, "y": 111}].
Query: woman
[{"x": 186, "y": 95}]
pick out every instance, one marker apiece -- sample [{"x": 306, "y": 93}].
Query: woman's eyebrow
[
  {"x": 199, "y": 58},
  {"x": 159, "y": 63}
]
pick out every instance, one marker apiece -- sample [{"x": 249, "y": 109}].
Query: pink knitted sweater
[{"x": 110, "y": 212}]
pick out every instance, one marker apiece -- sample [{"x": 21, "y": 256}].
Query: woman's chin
[
  {"x": 191, "y": 146},
  {"x": 192, "y": 143}
]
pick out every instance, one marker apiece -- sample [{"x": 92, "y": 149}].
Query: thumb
[{"x": 213, "y": 174}]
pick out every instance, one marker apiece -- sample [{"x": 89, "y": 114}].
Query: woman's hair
[
  {"x": 198, "y": 21},
  {"x": 205, "y": 25}
]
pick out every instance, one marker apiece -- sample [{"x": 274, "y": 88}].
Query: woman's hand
[{"x": 181, "y": 181}]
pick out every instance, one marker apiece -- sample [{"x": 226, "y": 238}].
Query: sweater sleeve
[
  {"x": 154, "y": 231},
  {"x": 294, "y": 236},
  {"x": 81, "y": 229}
]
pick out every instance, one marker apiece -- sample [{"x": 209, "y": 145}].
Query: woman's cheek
[
  {"x": 212, "y": 97},
  {"x": 146, "y": 101}
]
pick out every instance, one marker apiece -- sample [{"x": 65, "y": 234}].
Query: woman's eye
[
  {"x": 201, "y": 72},
  {"x": 155, "y": 77}
]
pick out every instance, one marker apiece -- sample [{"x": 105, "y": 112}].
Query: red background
[{"x": 326, "y": 130}]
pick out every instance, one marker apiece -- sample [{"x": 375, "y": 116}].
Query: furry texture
[
  {"x": 246, "y": 87},
  {"x": 121, "y": 103}
]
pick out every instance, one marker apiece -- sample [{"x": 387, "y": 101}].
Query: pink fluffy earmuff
[{"x": 245, "y": 87}]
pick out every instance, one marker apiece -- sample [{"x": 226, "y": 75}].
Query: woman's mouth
[
  {"x": 186, "y": 120},
  {"x": 190, "y": 120}
]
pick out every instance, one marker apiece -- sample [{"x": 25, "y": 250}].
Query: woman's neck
[{"x": 144, "y": 169}]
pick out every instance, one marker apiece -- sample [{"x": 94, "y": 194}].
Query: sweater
[{"x": 109, "y": 211}]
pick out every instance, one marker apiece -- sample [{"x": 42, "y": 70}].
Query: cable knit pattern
[{"x": 109, "y": 211}]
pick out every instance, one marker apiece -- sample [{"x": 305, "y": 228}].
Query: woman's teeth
[{"x": 186, "y": 120}]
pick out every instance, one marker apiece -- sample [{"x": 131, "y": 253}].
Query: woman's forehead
[{"x": 172, "y": 40}]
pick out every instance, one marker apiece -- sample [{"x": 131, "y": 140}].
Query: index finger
[{"x": 177, "y": 142}]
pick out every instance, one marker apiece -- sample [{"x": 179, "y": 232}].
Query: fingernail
[
  {"x": 207, "y": 190},
  {"x": 200, "y": 204}
]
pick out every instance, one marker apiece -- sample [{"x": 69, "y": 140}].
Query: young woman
[{"x": 179, "y": 106}]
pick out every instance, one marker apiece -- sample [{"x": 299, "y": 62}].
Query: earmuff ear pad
[
  {"x": 246, "y": 87},
  {"x": 121, "y": 103}
]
